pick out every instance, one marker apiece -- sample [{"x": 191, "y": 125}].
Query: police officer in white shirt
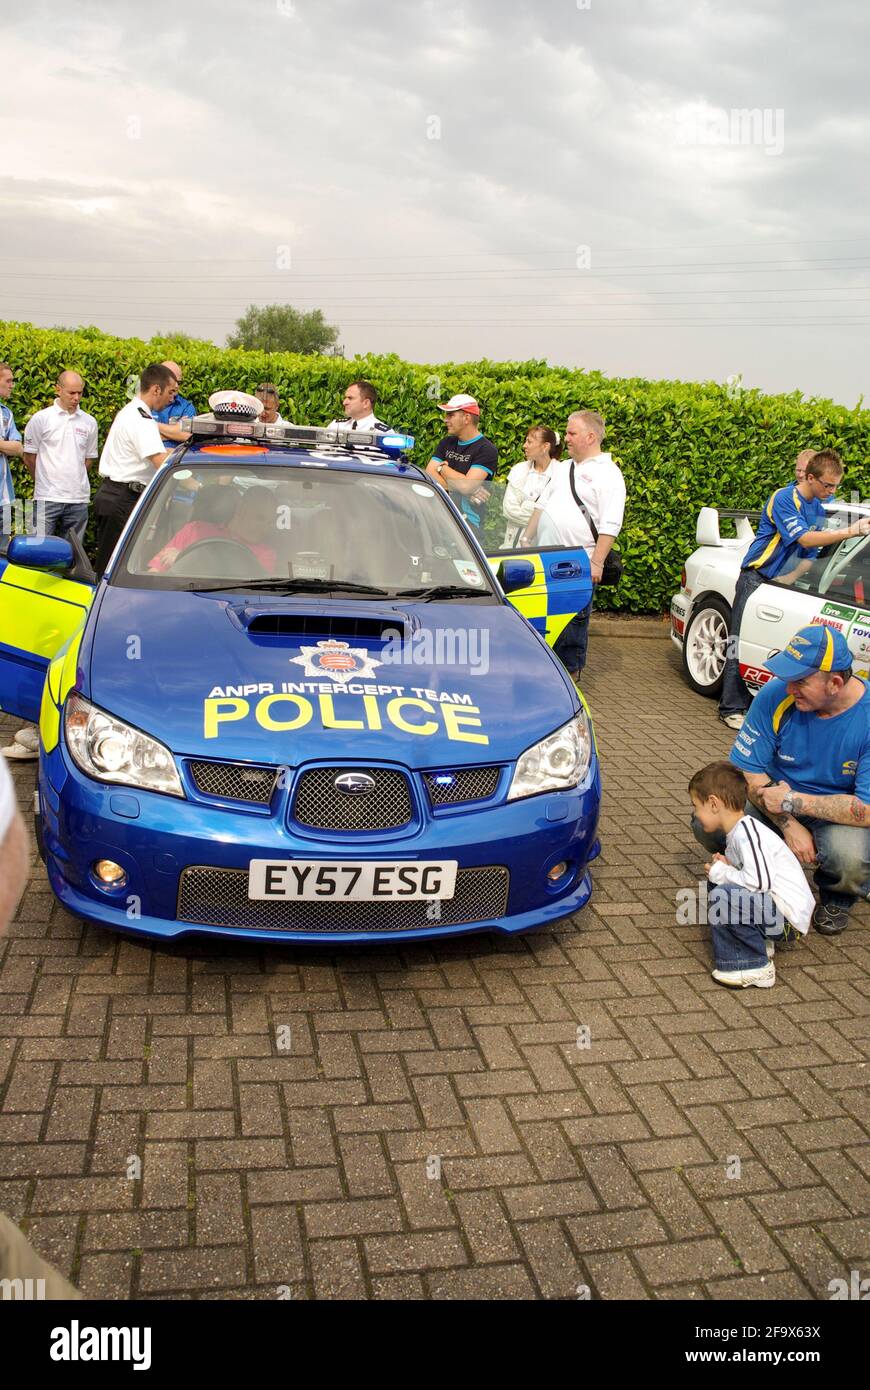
[
  {"x": 359, "y": 403},
  {"x": 560, "y": 520},
  {"x": 132, "y": 451},
  {"x": 60, "y": 443}
]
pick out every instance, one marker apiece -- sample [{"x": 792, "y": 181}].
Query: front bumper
[{"x": 156, "y": 839}]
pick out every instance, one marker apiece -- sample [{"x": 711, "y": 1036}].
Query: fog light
[
  {"x": 558, "y": 871},
  {"x": 107, "y": 871}
]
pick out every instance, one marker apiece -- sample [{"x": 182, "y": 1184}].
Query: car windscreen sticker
[
  {"x": 422, "y": 490},
  {"x": 308, "y": 565},
  {"x": 468, "y": 572}
]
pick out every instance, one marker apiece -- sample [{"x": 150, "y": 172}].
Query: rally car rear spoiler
[{"x": 707, "y": 529}]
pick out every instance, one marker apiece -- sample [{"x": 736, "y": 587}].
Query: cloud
[{"x": 434, "y": 169}]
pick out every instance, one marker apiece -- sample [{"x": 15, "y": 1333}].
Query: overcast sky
[{"x": 485, "y": 178}]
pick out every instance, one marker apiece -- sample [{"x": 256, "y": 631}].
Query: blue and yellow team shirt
[
  {"x": 787, "y": 517},
  {"x": 822, "y": 757}
]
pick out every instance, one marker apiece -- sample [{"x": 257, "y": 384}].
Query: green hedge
[{"x": 681, "y": 445}]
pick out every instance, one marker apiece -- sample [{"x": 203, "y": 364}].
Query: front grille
[
  {"x": 320, "y": 806},
  {"x": 219, "y": 898},
  {"x": 466, "y": 784},
  {"x": 235, "y": 781}
]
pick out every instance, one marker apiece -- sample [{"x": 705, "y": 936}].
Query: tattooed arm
[
  {"x": 840, "y": 809},
  {"x": 796, "y": 836}
]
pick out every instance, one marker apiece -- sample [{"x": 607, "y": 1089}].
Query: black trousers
[{"x": 113, "y": 503}]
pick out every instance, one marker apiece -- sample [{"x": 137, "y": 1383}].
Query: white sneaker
[
  {"x": 763, "y": 978},
  {"x": 28, "y": 737},
  {"x": 732, "y": 721}
]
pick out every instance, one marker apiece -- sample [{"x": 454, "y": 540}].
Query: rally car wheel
[{"x": 704, "y": 646}]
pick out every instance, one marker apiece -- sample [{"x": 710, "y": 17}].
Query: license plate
[{"x": 351, "y": 880}]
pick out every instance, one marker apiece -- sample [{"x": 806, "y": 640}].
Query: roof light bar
[{"x": 387, "y": 441}]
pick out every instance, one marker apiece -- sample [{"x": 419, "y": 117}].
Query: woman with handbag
[
  {"x": 528, "y": 481},
  {"x": 583, "y": 508}
]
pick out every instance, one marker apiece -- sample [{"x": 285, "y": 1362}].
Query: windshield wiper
[
  {"x": 291, "y": 586},
  {"x": 441, "y": 591}
]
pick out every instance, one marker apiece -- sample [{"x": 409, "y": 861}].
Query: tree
[
  {"x": 181, "y": 339},
  {"x": 281, "y": 328}
]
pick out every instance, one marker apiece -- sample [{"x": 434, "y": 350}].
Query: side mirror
[
  {"x": 515, "y": 574},
  {"x": 40, "y": 553}
]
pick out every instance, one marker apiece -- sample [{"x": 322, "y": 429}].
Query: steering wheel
[{"x": 229, "y": 559}]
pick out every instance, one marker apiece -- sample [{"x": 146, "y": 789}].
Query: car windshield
[{"x": 238, "y": 523}]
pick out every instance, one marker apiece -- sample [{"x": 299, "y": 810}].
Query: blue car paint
[{"x": 195, "y": 647}]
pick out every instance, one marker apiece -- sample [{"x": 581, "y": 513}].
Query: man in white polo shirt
[
  {"x": 60, "y": 443},
  {"x": 132, "y": 451},
  {"x": 592, "y": 477}
]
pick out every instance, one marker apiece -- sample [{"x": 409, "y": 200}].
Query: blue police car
[{"x": 299, "y": 705}]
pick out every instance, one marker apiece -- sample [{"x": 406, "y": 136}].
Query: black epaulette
[
  {"x": 379, "y": 425},
  {"x": 146, "y": 414}
]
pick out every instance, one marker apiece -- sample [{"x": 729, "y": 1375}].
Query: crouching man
[{"x": 805, "y": 750}]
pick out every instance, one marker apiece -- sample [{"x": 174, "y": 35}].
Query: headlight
[
  {"x": 559, "y": 761},
  {"x": 106, "y": 748}
]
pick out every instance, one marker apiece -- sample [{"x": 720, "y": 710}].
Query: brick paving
[{"x": 435, "y": 1130}]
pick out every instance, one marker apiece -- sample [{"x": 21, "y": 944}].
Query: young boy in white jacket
[{"x": 760, "y": 891}]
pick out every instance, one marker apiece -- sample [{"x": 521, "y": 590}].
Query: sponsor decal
[
  {"x": 849, "y": 768},
  {"x": 835, "y": 610},
  {"x": 755, "y": 675},
  {"x": 821, "y": 620}
]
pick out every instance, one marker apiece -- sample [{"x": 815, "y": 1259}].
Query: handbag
[{"x": 612, "y": 569}]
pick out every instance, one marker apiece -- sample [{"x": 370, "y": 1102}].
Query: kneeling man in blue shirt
[{"x": 805, "y": 750}]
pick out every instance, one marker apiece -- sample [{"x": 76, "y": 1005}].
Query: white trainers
[
  {"x": 732, "y": 721},
  {"x": 28, "y": 737},
  {"x": 763, "y": 978}
]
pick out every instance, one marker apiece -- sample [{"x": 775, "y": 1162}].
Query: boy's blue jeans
[{"x": 740, "y": 922}]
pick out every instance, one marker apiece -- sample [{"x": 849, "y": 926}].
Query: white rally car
[{"x": 834, "y": 590}]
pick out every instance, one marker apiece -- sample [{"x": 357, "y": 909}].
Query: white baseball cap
[{"x": 466, "y": 403}]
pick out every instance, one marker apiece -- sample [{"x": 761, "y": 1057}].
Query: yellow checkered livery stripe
[
  {"x": 43, "y": 615},
  {"x": 58, "y": 683},
  {"x": 538, "y": 603}
]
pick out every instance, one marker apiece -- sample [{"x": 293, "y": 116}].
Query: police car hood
[{"x": 287, "y": 679}]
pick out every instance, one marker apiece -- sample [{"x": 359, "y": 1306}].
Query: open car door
[
  {"x": 40, "y": 609},
  {"x": 562, "y": 584}
]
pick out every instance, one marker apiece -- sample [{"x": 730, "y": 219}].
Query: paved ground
[{"x": 613, "y": 1166}]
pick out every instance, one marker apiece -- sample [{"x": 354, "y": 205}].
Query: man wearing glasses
[{"x": 790, "y": 534}]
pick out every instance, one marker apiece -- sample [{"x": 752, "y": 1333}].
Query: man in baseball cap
[
  {"x": 465, "y": 460},
  {"x": 805, "y": 750}
]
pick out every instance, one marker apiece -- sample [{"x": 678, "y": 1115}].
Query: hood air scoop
[{"x": 344, "y": 627}]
